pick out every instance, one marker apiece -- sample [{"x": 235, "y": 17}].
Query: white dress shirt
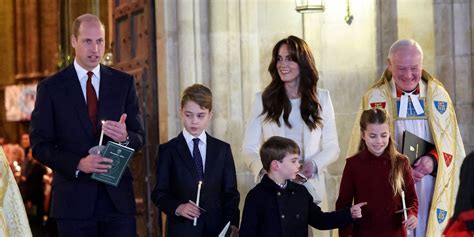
[
  {"x": 202, "y": 145},
  {"x": 82, "y": 75}
]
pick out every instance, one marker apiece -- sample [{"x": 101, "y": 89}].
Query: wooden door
[{"x": 134, "y": 51}]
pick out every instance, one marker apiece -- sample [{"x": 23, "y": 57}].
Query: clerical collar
[
  {"x": 404, "y": 102},
  {"x": 415, "y": 91}
]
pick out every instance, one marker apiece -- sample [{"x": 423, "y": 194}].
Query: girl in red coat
[{"x": 378, "y": 175}]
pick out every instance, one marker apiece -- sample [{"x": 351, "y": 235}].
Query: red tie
[{"x": 91, "y": 101}]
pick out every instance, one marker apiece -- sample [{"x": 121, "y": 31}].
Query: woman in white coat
[{"x": 292, "y": 106}]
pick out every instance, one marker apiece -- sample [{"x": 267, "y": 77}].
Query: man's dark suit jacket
[
  {"x": 61, "y": 134},
  {"x": 177, "y": 182}
]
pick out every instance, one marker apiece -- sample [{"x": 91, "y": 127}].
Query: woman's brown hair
[{"x": 274, "y": 98}]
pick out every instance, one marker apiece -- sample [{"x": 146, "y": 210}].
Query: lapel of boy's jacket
[
  {"x": 185, "y": 155},
  {"x": 212, "y": 151}
]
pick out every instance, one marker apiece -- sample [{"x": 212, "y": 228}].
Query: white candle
[
  {"x": 404, "y": 206},
  {"x": 197, "y": 200},
  {"x": 101, "y": 133}
]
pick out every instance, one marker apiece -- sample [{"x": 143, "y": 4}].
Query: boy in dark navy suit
[{"x": 191, "y": 157}]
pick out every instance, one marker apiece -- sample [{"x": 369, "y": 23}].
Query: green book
[{"x": 120, "y": 156}]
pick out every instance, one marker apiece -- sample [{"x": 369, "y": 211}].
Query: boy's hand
[
  {"x": 411, "y": 222},
  {"x": 188, "y": 210},
  {"x": 356, "y": 211}
]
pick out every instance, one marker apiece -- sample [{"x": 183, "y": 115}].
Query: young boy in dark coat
[
  {"x": 193, "y": 157},
  {"x": 279, "y": 207}
]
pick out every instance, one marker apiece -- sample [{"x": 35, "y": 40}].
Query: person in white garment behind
[
  {"x": 292, "y": 106},
  {"x": 420, "y": 104}
]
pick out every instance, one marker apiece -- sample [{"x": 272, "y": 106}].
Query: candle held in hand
[
  {"x": 404, "y": 206},
  {"x": 197, "y": 200},
  {"x": 101, "y": 133}
]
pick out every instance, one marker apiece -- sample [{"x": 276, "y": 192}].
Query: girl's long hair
[
  {"x": 380, "y": 116},
  {"x": 274, "y": 97}
]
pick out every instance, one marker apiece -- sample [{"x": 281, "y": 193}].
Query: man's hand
[
  {"x": 411, "y": 222},
  {"x": 234, "y": 231},
  {"x": 188, "y": 210},
  {"x": 356, "y": 211},
  {"x": 93, "y": 164},
  {"x": 422, "y": 167},
  {"x": 308, "y": 169},
  {"x": 116, "y": 130}
]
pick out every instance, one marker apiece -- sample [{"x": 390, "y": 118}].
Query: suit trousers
[{"x": 107, "y": 221}]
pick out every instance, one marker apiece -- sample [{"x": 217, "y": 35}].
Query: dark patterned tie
[
  {"x": 91, "y": 101},
  {"x": 197, "y": 158}
]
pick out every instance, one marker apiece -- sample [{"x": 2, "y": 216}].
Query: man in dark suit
[
  {"x": 64, "y": 126},
  {"x": 191, "y": 157}
]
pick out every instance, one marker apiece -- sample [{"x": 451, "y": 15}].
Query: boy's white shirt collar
[{"x": 189, "y": 138}]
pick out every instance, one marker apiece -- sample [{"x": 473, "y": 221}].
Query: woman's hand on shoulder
[{"x": 308, "y": 169}]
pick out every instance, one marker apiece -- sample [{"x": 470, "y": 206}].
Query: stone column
[
  {"x": 49, "y": 39},
  {"x": 169, "y": 84},
  {"x": 251, "y": 59},
  {"x": 188, "y": 25},
  {"x": 186, "y": 49},
  {"x": 225, "y": 48},
  {"x": 462, "y": 75},
  {"x": 387, "y": 33},
  {"x": 416, "y": 21},
  {"x": 454, "y": 58},
  {"x": 32, "y": 38},
  {"x": 20, "y": 39}
]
